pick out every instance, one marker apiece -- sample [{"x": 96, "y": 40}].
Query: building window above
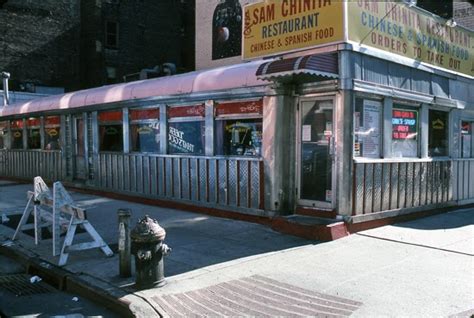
[{"x": 111, "y": 35}]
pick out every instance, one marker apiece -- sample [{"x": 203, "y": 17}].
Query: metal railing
[
  {"x": 217, "y": 180},
  {"x": 381, "y": 185},
  {"x": 32, "y": 163},
  {"x": 463, "y": 185}
]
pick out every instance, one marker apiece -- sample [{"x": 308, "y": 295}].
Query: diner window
[
  {"x": 110, "y": 131},
  {"x": 404, "y": 132},
  {"x": 466, "y": 139},
  {"x": 33, "y": 133},
  {"x": 52, "y": 133},
  {"x": 239, "y": 128},
  {"x": 16, "y": 128},
  {"x": 367, "y": 117},
  {"x": 3, "y": 134},
  {"x": 145, "y": 130},
  {"x": 438, "y": 133},
  {"x": 239, "y": 137},
  {"x": 186, "y": 130}
]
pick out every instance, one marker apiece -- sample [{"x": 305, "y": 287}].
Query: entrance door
[
  {"x": 79, "y": 148},
  {"x": 315, "y": 153}
]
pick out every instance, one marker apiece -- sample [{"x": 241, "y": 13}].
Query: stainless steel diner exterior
[{"x": 356, "y": 131}]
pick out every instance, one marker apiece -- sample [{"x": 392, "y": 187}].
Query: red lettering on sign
[
  {"x": 115, "y": 115},
  {"x": 253, "y": 107},
  {"x": 187, "y": 111},
  {"x": 140, "y": 114}
]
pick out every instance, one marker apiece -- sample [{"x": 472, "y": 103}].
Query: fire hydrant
[{"x": 149, "y": 249}]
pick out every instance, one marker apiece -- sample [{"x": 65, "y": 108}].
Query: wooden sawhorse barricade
[{"x": 59, "y": 212}]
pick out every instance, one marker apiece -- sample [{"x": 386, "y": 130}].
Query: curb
[{"x": 114, "y": 298}]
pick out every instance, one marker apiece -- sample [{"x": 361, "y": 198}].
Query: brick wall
[
  {"x": 39, "y": 42},
  {"x": 463, "y": 13},
  {"x": 149, "y": 33}
]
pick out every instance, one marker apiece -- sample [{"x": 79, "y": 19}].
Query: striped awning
[{"x": 300, "y": 69}]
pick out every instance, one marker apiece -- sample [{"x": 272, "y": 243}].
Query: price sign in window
[
  {"x": 367, "y": 128},
  {"x": 404, "y": 132},
  {"x": 466, "y": 139}
]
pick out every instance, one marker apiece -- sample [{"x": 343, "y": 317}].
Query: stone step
[{"x": 309, "y": 227}]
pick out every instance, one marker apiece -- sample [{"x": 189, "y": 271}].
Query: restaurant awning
[{"x": 300, "y": 69}]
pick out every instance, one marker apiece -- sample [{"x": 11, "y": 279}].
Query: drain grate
[{"x": 20, "y": 285}]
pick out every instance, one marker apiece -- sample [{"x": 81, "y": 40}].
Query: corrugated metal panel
[
  {"x": 420, "y": 81},
  {"x": 319, "y": 64},
  {"x": 439, "y": 86},
  {"x": 399, "y": 76},
  {"x": 375, "y": 70}
]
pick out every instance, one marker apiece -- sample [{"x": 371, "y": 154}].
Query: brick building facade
[
  {"x": 123, "y": 37},
  {"x": 73, "y": 44},
  {"x": 39, "y": 43}
]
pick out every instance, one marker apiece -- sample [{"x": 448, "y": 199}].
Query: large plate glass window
[
  {"x": 110, "y": 131},
  {"x": 33, "y": 133},
  {"x": 186, "y": 130},
  {"x": 367, "y": 132},
  {"x": 16, "y": 128},
  {"x": 438, "y": 133},
  {"x": 52, "y": 133},
  {"x": 3, "y": 134},
  {"x": 145, "y": 130},
  {"x": 405, "y": 127},
  {"x": 466, "y": 139},
  {"x": 239, "y": 128}
]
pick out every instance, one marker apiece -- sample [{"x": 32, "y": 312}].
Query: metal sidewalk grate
[
  {"x": 255, "y": 296},
  {"x": 20, "y": 285}
]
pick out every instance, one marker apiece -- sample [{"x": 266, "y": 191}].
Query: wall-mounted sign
[
  {"x": 226, "y": 29},
  {"x": 33, "y": 122},
  {"x": 397, "y": 28},
  {"x": 438, "y": 124},
  {"x": 142, "y": 114},
  {"x": 404, "y": 124},
  {"x": 371, "y": 134},
  {"x": 186, "y": 111},
  {"x": 16, "y": 124},
  {"x": 465, "y": 128},
  {"x": 253, "y": 107},
  {"x": 115, "y": 115},
  {"x": 277, "y": 26},
  {"x": 52, "y": 121}
]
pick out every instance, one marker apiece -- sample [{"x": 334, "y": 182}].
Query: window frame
[
  {"x": 197, "y": 115},
  {"x": 144, "y": 121},
  {"x": 110, "y": 123},
  {"x": 379, "y": 101},
  {"x": 471, "y": 122},
  {"x": 448, "y": 130}
]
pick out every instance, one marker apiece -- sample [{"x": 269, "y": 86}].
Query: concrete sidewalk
[{"x": 221, "y": 267}]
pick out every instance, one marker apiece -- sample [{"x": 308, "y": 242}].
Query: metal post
[
  {"x": 124, "y": 245},
  {"x": 6, "y": 96}
]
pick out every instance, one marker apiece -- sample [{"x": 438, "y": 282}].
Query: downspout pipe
[{"x": 6, "y": 96}]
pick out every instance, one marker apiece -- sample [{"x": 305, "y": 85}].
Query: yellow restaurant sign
[
  {"x": 397, "y": 28},
  {"x": 278, "y": 26}
]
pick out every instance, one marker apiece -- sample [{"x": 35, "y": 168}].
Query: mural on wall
[{"x": 227, "y": 29}]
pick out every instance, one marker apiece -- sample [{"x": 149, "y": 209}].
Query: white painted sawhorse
[{"x": 63, "y": 212}]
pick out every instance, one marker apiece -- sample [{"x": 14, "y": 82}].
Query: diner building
[{"x": 353, "y": 110}]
